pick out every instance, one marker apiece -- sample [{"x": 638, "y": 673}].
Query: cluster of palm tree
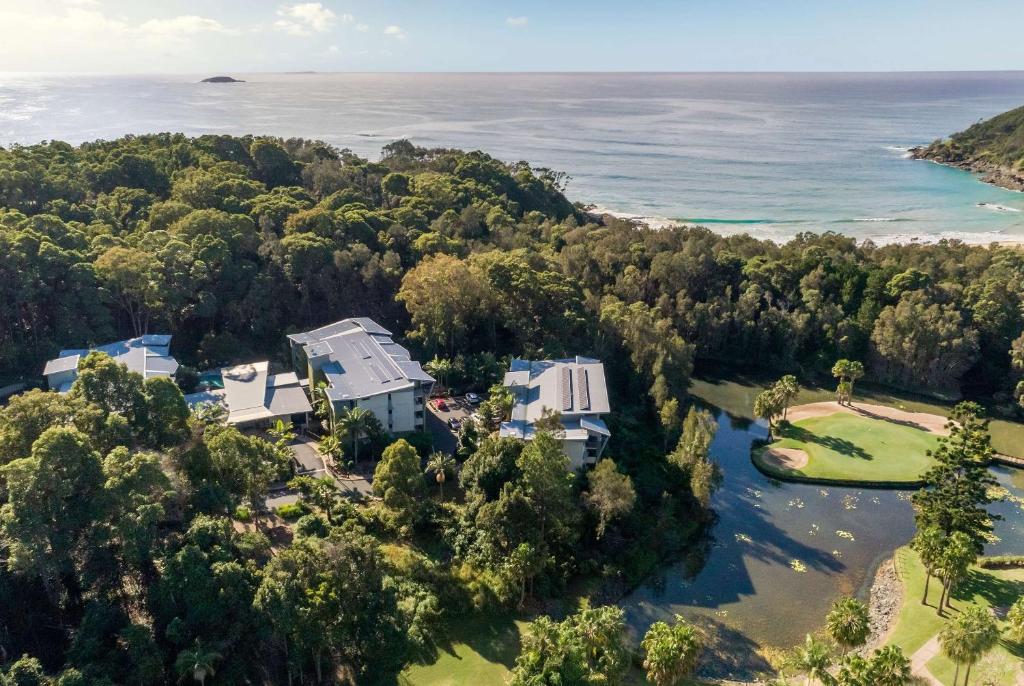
[
  {"x": 848, "y": 626},
  {"x": 947, "y": 557},
  {"x": 967, "y": 637},
  {"x": 353, "y": 423},
  {"x": 774, "y": 401},
  {"x": 848, "y": 372}
]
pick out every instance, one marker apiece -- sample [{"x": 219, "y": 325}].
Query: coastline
[
  {"x": 992, "y": 174},
  {"x": 599, "y": 213}
]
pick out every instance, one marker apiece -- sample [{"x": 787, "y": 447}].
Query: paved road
[{"x": 445, "y": 440}]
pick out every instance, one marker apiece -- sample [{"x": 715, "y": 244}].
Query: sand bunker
[
  {"x": 785, "y": 458},
  {"x": 931, "y": 423}
]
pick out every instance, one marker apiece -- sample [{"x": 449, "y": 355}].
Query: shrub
[
  {"x": 243, "y": 514},
  {"x": 291, "y": 512}
]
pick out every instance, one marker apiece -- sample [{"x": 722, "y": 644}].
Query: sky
[{"x": 240, "y": 36}]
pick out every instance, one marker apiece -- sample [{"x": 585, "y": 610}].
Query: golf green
[{"x": 847, "y": 447}]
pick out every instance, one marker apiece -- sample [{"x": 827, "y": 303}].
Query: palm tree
[
  {"x": 955, "y": 640},
  {"x": 330, "y": 445},
  {"x": 441, "y": 464},
  {"x": 840, "y": 370},
  {"x": 210, "y": 413},
  {"x": 929, "y": 544},
  {"x": 983, "y": 634},
  {"x": 814, "y": 658},
  {"x": 957, "y": 557},
  {"x": 767, "y": 406},
  {"x": 197, "y": 663},
  {"x": 282, "y": 432},
  {"x": 788, "y": 388},
  {"x": 671, "y": 652},
  {"x": 439, "y": 368},
  {"x": 854, "y": 371},
  {"x": 848, "y": 623},
  {"x": 355, "y": 422},
  {"x": 890, "y": 667}
]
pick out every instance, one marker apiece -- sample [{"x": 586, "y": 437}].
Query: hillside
[{"x": 993, "y": 148}]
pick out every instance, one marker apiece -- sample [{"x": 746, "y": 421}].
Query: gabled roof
[
  {"x": 147, "y": 355},
  {"x": 250, "y": 394},
  {"x": 359, "y": 359}
]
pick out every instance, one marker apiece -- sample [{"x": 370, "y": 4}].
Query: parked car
[
  {"x": 472, "y": 398},
  {"x": 440, "y": 404},
  {"x": 454, "y": 424}
]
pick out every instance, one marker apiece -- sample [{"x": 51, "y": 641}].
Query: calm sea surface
[{"x": 769, "y": 154}]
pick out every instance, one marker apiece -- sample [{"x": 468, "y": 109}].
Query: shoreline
[
  {"x": 992, "y": 174},
  {"x": 599, "y": 213},
  {"x": 885, "y": 599}
]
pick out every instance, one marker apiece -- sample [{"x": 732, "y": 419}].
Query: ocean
[{"x": 767, "y": 154}]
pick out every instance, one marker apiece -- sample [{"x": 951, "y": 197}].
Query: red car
[{"x": 440, "y": 404}]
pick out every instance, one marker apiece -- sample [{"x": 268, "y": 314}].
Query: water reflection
[{"x": 780, "y": 553}]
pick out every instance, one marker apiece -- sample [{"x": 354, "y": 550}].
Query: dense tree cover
[
  {"x": 125, "y": 553},
  {"x": 226, "y": 242}
]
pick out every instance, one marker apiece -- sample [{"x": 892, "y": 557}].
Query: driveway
[
  {"x": 446, "y": 440},
  {"x": 311, "y": 463}
]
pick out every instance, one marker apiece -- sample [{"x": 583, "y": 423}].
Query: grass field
[
  {"x": 736, "y": 396},
  {"x": 482, "y": 651},
  {"x": 844, "y": 447},
  {"x": 918, "y": 623}
]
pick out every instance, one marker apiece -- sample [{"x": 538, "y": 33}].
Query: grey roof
[
  {"x": 251, "y": 394},
  {"x": 359, "y": 359},
  {"x": 572, "y": 387},
  {"x": 147, "y": 355}
]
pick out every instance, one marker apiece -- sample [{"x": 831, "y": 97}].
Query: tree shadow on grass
[
  {"x": 834, "y": 443},
  {"x": 494, "y": 637}
]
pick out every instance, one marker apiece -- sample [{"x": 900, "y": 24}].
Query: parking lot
[{"x": 445, "y": 439}]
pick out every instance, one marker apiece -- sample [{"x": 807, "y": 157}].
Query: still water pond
[{"x": 780, "y": 553}]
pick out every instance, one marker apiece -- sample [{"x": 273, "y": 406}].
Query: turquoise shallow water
[{"x": 768, "y": 154}]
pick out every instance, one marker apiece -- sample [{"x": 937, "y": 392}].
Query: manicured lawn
[
  {"x": 481, "y": 652},
  {"x": 919, "y": 623},
  {"x": 736, "y": 396},
  {"x": 847, "y": 447}
]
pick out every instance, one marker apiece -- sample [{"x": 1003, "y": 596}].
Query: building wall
[
  {"x": 55, "y": 381},
  {"x": 577, "y": 452}
]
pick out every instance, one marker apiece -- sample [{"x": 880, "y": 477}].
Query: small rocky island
[
  {"x": 993, "y": 148},
  {"x": 222, "y": 79}
]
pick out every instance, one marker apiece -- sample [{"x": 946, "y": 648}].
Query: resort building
[
  {"x": 362, "y": 367},
  {"x": 575, "y": 389},
  {"x": 253, "y": 397},
  {"x": 147, "y": 355}
]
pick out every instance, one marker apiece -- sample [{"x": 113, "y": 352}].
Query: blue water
[{"x": 768, "y": 154}]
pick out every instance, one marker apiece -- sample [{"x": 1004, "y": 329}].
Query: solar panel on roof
[
  {"x": 566, "y": 389},
  {"x": 582, "y": 389}
]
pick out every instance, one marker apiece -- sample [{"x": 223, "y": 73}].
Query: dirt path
[
  {"x": 919, "y": 661},
  {"x": 931, "y": 423}
]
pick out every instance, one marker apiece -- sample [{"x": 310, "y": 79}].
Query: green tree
[
  {"x": 131, "y": 277},
  {"x": 321, "y": 492},
  {"x": 968, "y": 636},
  {"x": 768, "y": 406},
  {"x": 355, "y": 422},
  {"x": 166, "y": 412},
  {"x": 813, "y": 658},
  {"x": 398, "y": 480},
  {"x": 197, "y": 663},
  {"x": 788, "y": 388},
  {"x": 848, "y": 623},
  {"x": 54, "y": 499},
  {"x": 671, "y": 420},
  {"x": 610, "y": 494},
  {"x": 957, "y": 556},
  {"x": 587, "y": 648},
  {"x": 889, "y": 667},
  {"x": 956, "y": 490},
  {"x": 441, "y": 465},
  {"x": 671, "y": 651},
  {"x": 1015, "y": 621},
  {"x": 929, "y": 544}
]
